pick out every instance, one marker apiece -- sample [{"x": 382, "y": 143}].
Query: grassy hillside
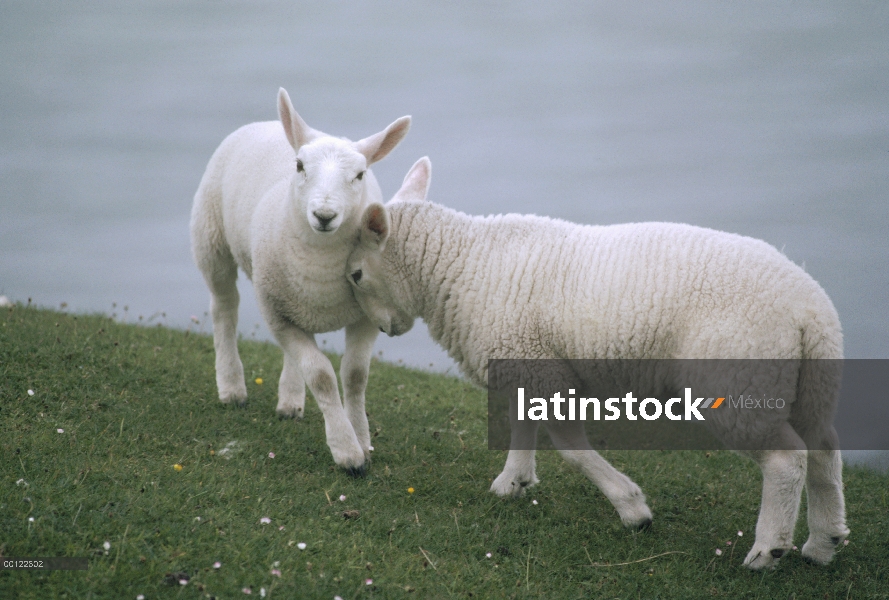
[{"x": 88, "y": 468}]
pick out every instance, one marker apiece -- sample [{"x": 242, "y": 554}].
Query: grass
[{"x": 135, "y": 401}]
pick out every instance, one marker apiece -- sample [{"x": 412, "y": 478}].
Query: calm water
[{"x": 765, "y": 121}]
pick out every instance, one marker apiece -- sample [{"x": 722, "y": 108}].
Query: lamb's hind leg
[
  {"x": 783, "y": 475},
  {"x": 222, "y": 281},
  {"x": 626, "y": 497},
  {"x": 360, "y": 338},
  {"x": 826, "y": 506}
]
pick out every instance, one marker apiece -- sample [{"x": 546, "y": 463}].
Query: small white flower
[
  {"x": 342, "y": 498},
  {"x": 60, "y": 430},
  {"x": 183, "y": 582},
  {"x": 271, "y": 455},
  {"x": 22, "y": 482},
  {"x": 30, "y": 519},
  {"x": 217, "y": 564},
  {"x": 740, "y": 533},
  {"x": 845, "y": 542},
  {"x": 140, "y": 597},
  {"x": 368, "y": 582},
  {"x": 534, "y": 502},
  {"x": 107, "y": 545},
  {"x": 488, "y": 555},
  {"x": 30, "y": 392},
  {"x": 718, "y": 552},
  {"x": 301, "y": 545},
  {"x": 262, "y": 592},
  {"x": 337, "y": 598},
  {"x": 265, "y": 520}
]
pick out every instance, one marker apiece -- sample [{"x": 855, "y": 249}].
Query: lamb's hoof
[
  {"x": 290, "y": 412},
  {"x": 356, "y": 472},
  {"x": 759, "y": 558},
  {"x": 236, "y": 399},
  {"x": 640, "y": 519},
  {"x": 507, "y": 486},
  {"x": 644, "y": 525},
  {"x": 633, "y": 511},
  {"x": 820, "y": 551}
]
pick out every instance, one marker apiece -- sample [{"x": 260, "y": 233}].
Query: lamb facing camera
[
  {"x": 282, "y": 202},
  {"x": 514, "y": 286}
]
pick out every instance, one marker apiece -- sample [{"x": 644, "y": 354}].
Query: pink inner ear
[{"x": 375, "y": 222}]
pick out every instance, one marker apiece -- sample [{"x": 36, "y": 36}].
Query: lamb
[
  {"x": 513, "y": 286},
  {"x": 283, "y": 204}
]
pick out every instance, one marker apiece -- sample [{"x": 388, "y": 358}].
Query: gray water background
[{"x": 764, "y": 119}]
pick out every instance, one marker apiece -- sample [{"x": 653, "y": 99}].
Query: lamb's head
[
  {"x": 331, "y": 183},
  {"x": 378, "y": 276}
]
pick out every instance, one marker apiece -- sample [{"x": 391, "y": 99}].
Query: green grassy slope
[{"x": 132, "y": 402}]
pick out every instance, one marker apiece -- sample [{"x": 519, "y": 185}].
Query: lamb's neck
[{"x": 430, "y": 238}]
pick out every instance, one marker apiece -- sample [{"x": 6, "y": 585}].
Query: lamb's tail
[
  {"x": 820, "y": 374},
  {"x": 209, "y": 247}
]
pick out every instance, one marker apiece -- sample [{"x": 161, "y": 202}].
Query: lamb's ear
[
  {"x": 380, "y": 144},
  {"x": 416, "y": 182},
  {"x": 298, "y": 133},
  {"x": 374, "y": 226}
]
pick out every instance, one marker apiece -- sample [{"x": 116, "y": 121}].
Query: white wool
[
  {"x": 518, "y": 286},
  {"x": 282, "y": 202}
]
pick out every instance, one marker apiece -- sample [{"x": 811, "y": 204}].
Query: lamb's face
[
  {"x": 378, "y": 292},
  {"x": 329, "y": 184}
]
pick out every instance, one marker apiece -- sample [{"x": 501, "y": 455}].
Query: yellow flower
[
  {"x": 410, "y": 490},
  {"x": 259, "y": 381},
  {"x": 177, "y": 466}
]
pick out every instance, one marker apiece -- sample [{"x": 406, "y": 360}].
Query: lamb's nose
[{"x": 324, "y": 217}]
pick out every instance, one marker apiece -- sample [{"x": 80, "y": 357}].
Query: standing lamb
[
  {"x": 513, "y": 286},
  {"x": 284, "y": 205}
]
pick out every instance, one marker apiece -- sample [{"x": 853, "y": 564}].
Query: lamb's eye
[
  {"x": 299, "y": 166},
  {"x": 360, "y": 176},
  {"x": 356, "y": 276}
]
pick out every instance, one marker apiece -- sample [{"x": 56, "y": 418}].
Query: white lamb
[
  {"x": 513, "y": 286},
  {"x": 284, "y": 205}
]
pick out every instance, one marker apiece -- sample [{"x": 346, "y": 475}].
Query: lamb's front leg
[
  {"x": 519, "y": 471},
  {"x": 570, "y": 440},
  {"x": 360, "y": 339},
  {"x": 301, "y": 351},
  {"x": 291, "y": 389}
]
